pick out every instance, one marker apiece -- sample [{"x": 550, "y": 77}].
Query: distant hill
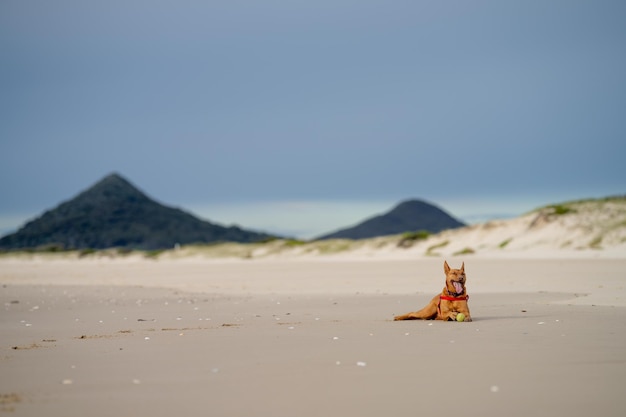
[
  {"x": 411, "y": 215},
  {"x": 113, "y": 213}
]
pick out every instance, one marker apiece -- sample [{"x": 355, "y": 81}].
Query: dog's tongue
[{"x": 458, "y": 288}]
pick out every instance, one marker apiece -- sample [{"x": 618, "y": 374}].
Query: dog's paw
[{"x": 466, "y": 318}]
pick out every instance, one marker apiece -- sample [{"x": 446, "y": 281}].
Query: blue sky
[{"x": 300, "y": 117}]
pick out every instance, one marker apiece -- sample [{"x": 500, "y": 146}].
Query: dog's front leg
[{"x": 450, "y": 316}]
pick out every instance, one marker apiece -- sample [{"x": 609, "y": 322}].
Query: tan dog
[{"x": 451, "y": 301}]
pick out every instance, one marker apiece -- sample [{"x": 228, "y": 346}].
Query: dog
[{"x": 451, "y": 301}]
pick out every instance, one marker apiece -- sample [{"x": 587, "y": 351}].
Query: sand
[{"x": 291, "y": 338}]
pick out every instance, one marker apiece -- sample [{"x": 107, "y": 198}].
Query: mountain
[
  {"x": 113, "y": 213},
  {"x": 408, "y": 216}
]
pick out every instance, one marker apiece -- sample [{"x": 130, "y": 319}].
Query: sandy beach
[{"x": 309, "y": 337}]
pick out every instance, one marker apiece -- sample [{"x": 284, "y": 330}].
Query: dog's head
[{"x": 455, "y": 279}]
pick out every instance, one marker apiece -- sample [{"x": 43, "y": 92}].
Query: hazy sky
[{"x": 299, "y": 117}]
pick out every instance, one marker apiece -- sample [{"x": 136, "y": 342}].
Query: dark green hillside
[
  {"x": 411, "y": 215},
  {"x": 113, "y": 213}
]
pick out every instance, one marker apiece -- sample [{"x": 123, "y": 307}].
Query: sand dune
[{"x": 587, "y": 229}]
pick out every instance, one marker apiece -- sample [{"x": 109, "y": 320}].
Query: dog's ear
[
  {"x": 446, "y": 267},
  {"x": 463, "y": 267}
]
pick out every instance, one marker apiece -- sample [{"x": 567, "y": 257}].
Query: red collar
[{"x": 448, "y": 298}]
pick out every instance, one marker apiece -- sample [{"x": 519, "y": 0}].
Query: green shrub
[
  {"x": 503, "y": 244},
  {"x": 430, "y": 250},
  {"x": 294, "y": 242},
  {"x": 124, "y": 251},
  {"x": 268, "y": 239},
  {"x": 419, "y": 235},
  {"x": 466, "y": 251},
  {"x": 595, "y": 243},
  {"x": 333, "y": 246},
  {"x": 409, "y": 238},
  {"x": 86, "y": 252},
  {"x": 51, "y": 248},
  {"x": 153, "y": 254},
  {"x": 560, "y": 209}
]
